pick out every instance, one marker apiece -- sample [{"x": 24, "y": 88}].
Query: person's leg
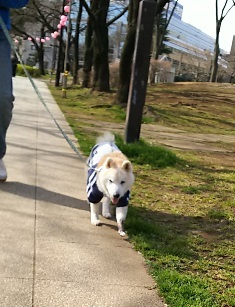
[{"x": 6, "y": 95}]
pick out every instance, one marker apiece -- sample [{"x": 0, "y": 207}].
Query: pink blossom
[
  {"x": 67, "y": 9},
  {"x": 55, "y": 34},
  {"x": 63, "y": 18},
  {"x": 62, "y": 23}
]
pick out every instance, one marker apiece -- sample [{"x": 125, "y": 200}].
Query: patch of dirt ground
[{"x": 212, "y": 147}]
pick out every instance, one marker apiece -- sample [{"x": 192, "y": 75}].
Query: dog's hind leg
[
  {"x": 106, "y": 208},
  {"x": 95, "y": 214},
  {"x": 121, "y": 213}
]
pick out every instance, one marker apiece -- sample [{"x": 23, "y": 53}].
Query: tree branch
[{"x": 117, "y": 17}]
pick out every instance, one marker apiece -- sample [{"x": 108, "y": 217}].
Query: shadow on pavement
[{"x": 38, "y": 193}]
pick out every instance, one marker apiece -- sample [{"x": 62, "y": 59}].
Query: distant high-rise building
[
  {"x": 191, "y": 49},
  {"x": 178, "y": 10},
  {"x": 232, "y": 51},
  {"x": 185, "y": 37}
]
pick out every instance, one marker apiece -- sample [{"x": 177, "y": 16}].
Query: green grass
[
  {"x": 184, "y": 290},
  {"x": 142, "y": 153},
  {"x": 181, "y": 215}
]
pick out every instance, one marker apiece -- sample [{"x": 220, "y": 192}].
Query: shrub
[
  {"x": 34, "y": 72},
  {"x": 185, "y": 78}
]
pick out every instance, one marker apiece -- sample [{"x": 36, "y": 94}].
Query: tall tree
[
  {"x": 61, "y": 52},
  {"x": 219, "y": 19},
  {"x": 100, "y": 46},
  {"x": 88, "y": 54},
  {"x": 97, "y": 44},
  {"x": 161, "y": 24},
  {"x": 128, "y": 49},
  {"x": 127, "y": 53},
  {"x": 76, "y": 44}
]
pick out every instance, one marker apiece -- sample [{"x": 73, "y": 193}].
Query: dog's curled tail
[{"x": 106, "y": 137}]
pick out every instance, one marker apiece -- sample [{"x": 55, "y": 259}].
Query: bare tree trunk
[
  {"x": 158, "y": 36},
  {"x": 76, "y": 46},
  {"x": 41, "y": 54},
  {"x": 101, "y": 46},
  {"x": 41, "y": 60},
  {"x": 60, "y": 60},
  {"x": 98, "y": 12},
  {"x": 162, "y": 22},
  {"x": 87, "y": 64},
  {"x": 97, "y": 46},
  {"x": 214, "y": 68},
  {"x": 127, "y": 54},
  {"x": 100, "y": 53},
  {"x": 223, "y": 14},
  {"x": 128, "y": 50}
]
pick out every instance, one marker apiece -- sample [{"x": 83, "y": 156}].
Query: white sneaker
[{"x": 3, "y": 171}]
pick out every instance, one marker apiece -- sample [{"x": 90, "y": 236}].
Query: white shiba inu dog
[{"x": 110, "y": 177}]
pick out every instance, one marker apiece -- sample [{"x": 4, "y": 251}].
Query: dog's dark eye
[
  {"x": 122, "y": 182},
  {"x": 111, "y": 181}
]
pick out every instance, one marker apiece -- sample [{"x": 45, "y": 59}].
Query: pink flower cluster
[{"x": 62, "y": 23}]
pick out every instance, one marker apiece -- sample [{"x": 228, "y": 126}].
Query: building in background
[
  {"x": 191, "y": 49},
  {"x": 29, "y": 54},
  {"x": 232, "y": 50}
]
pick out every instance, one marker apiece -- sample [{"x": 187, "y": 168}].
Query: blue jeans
[{"x": 6, "y": 95}]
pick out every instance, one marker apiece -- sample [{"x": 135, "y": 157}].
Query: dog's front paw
[
  {"x": 121, "y": 229},
  {"x": 122, "y": 233},
  {"x": 95, "y": 222},
  {"x": 107, "y": 215}
]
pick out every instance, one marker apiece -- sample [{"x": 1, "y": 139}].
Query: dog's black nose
[{"x": 116, "y": 195}]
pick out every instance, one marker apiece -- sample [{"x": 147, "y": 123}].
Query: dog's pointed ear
[
  {"x": 126, "y": 165},
  {"x": 108, "y": 163}
]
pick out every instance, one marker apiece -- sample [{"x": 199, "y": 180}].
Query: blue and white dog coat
[{"x": 94, "y": 195}]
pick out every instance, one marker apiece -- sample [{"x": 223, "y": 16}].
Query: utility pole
[{"x": 140, "y": 69}]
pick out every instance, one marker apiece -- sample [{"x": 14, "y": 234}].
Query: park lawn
[{"x": 181, "y": 216}]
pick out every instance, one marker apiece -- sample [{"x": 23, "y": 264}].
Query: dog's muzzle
[{"x": 115, "y": 198}]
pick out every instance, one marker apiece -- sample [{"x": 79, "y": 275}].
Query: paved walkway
[{"x": 50, "y": 253}]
